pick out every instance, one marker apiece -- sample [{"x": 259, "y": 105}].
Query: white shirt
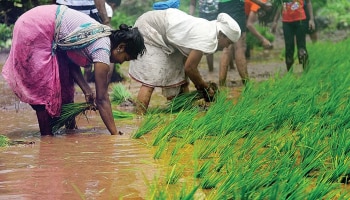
[{"x": 109, "y": 10}]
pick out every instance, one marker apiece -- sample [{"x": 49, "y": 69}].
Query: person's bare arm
[
  {"x": 102, "y": 98},
  {"x": 192, "y": 7},
  {"x": 78, "y": 77},
  {"x": 311, "y": 15},
  {"x": 266, "y": 6},
  {"x": 252, "y": 18},
  {"x": 191, "y": 69},
  {"x": 275, "y": 20},
  {"x": 101, "y": 7}
]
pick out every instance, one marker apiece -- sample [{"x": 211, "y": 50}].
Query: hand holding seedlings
[{"x": 209, "y": 92}]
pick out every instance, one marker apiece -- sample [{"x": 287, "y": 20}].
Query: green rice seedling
[
  {"x": 340, "y": 167},
  {"x": 211, "y": 180},
  {"x": 288, "y": 184},
  {"x": 4, "y": 141},
  {"x": 175, "y": 159},
  {"x": 157, "y": 191},
  {"x": 161, "y": 148},
  {"x": 117, "y": 114},
  {"x": 120, "y": 93},
  {"x": 148, "y": 124},
  {"x": 212, "y": 121},
  {"x": 284, "y": 139},
  {"x": 339, "y": 144},
  {"x": 206, "y": 147},
  {"x": 182, "y": 101},
  {"x": 175, "y": 126},
  {"x": 174, "y": 175},
  {"x": 225, "y": 191},
  {"x": 190, "y": 195},
  {"x": 193, "y": 135},
  {"x": 323, "y": 190},
  {"x": 203, "y": 169},
  {"x": 309, "y": 143},
  {"x": 178, "y": 146},
  {"x": 224, "y": 160},
  {"x": 68, "y": 113},
  {"x": 312, "y": 164},
  {"x": 176, "y": 153},
  {"x": 162, "y": 135}
]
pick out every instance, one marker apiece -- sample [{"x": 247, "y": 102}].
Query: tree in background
[{"x": 10, "y": 10}]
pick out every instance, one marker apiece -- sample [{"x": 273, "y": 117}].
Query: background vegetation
[{"x": 333, "y": 14}]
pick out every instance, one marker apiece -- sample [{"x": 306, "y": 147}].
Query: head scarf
[{"x": 228, "y": 26}]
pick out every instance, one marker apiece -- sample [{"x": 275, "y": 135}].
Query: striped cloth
[{"x": 84, "y": 6}]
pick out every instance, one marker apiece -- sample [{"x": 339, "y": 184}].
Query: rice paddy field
[{"x": 283, "y": 138}]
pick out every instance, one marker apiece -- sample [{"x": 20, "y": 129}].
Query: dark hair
[
  {"x": 131, "y": 37},
  {"x": 117, "y": 2}
]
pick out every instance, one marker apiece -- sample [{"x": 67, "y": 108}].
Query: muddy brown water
[
  {"x": 84, "y": 164},
  {"x": 88, "y": 163}
]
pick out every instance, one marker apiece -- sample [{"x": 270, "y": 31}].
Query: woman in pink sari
[{"x": 49, "y": 44}]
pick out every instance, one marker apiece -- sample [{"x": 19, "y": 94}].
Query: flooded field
[{"x": 87, "y": 163}]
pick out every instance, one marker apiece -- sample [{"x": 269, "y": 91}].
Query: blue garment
[{"x": 162, "y": 5}]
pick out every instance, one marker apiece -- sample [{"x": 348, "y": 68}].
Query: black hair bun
[{"x": 124, "y": 27}]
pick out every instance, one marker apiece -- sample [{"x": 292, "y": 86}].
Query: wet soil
[{"x": 89, "y": 163}]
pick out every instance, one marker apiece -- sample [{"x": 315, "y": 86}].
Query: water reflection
[
  {"x": 78, "y": 166},
  {"x": 85, "y": 164}
]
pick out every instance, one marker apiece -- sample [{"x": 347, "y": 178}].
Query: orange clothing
[
  {"x": 249, "y": 6},
  {"x": 293, "y": 11}
]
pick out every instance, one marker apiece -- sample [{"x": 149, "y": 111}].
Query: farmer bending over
[
  {"x": 175, "y": 43},
  {"x": 49, "y": 44}
]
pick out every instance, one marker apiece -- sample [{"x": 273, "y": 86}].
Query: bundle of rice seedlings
[
  {"x": 185, "y": 101},
  {"x": 117, "y": 114},
  {"x": 69, "y": 112},
  {"x": 148, "y": 124},
  {"x": 120, "y": 94},
  {"x": 182, "y": 101}
]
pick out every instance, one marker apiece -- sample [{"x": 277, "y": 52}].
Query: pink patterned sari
[{"x": 31, "y": 70}]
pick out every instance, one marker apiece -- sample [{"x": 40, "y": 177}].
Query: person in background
[
  {"x": 176, "y": 42},
  {"x": 162, "y": 5},
  {"x": 94, "y": 8},
  {"x": 109, "y": 11},
  {"x": 251, "y": 11},
  {"x": 114, "y": 4},
  {"x": 311, "y": 32},
  {"x": 235, "y": 9},
  {"x": 207, "y": 9},
  {"x": 295, "y": 26},
  {"x": 49, "y": 44}
]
